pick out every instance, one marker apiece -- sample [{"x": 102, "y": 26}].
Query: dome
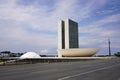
[{"x": 30, "y": 55}]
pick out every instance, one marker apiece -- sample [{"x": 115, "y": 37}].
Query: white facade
[{"x": 67, "y": 34}]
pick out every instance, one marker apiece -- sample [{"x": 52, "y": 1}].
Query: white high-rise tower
[{"x": 68, "y": 34}]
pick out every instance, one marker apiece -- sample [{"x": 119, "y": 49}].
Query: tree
[
  {"x": 5, "y": 53},
  {"x": 117, "y": 54}
]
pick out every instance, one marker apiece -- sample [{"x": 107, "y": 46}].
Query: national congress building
[{"x": 68, "y": 41}]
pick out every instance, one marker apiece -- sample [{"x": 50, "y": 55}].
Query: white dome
[{"x": 30, "y": 55}]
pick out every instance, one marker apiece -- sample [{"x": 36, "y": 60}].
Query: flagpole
[{"x": 109, "y": 47}]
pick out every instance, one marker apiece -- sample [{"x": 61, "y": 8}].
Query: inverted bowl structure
[{"x": 77, "y": 52}]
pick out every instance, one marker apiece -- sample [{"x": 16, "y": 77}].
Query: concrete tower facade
[{"x": 68, "y": 34}]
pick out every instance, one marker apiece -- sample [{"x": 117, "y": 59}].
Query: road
[{"x": 108, "y": 69}]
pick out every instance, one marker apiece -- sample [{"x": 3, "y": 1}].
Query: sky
[{"x": 32, "y": 25}]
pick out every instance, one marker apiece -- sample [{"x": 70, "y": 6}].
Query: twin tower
[
  {"x": 68, "y": 41},
  {"x": 68, "y": 34}
]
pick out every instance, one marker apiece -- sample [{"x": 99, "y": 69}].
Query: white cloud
[
  {"x": 99, "y": 32},
  {"x": 36, "y": 16},
  {"x": 44, "y": 51},
  {"x": 98, "y": 28},
  {"x": 31, "y": 27}
]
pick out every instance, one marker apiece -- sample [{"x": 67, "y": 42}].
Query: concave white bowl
[{"x": 77, "y": 52}]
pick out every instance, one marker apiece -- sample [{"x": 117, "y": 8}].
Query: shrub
[{"x": 117, "y": 54}]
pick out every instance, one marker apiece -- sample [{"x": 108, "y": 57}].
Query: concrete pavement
[{"x": 108, "y": 69}]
